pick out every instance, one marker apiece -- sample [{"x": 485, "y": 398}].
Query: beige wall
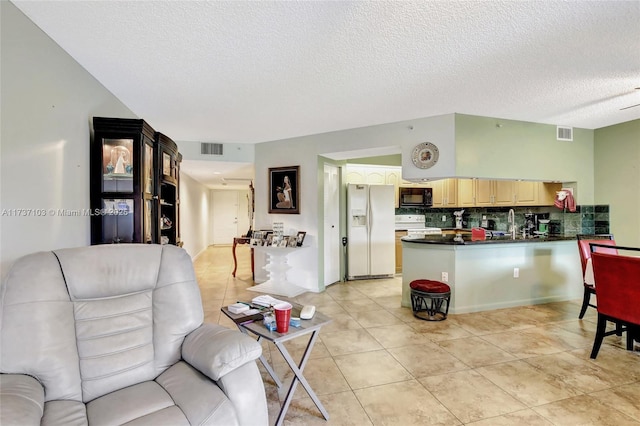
[
  {"x": 194, "y": 215},
  {"x": 617, "y": 178},
  {"x": 48, "y": 101}
]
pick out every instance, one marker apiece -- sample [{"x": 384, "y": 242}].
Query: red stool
[{"x": 428, "y": 298}]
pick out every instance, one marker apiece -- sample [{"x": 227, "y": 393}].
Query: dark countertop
[{"x": 466, "y": 240}]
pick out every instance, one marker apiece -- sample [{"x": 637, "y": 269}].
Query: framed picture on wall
[{"x": 284, "y": 191}]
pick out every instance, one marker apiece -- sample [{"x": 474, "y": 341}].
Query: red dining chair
[
  {"x": 585, "y": 254},
  {"x": 618, "y": 291}
]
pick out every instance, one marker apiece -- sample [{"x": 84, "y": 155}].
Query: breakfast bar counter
[{"x": 494, "y": 273}]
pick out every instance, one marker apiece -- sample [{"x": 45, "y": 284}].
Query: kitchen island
[{"x": 494, "y": 273}]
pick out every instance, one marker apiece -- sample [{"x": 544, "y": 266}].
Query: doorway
[{"x": 229, "y": 215}]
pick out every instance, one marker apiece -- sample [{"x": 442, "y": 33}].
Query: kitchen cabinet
[
  {"x": 399, "y": 235},
  {"x": 547, "y": 193},
  {"x": 526, "y": 193},
  {"x": 445, "y": 192},
  {"x": 393, "y": 177},
  {"x": 355, "y": 175},
  {"x": 487, "y": 192}
]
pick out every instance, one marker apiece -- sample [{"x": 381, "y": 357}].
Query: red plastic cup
[{"x": 283, "y": 316}]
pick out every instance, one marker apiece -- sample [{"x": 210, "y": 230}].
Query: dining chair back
[
  {"x": 584, "y": 249},
  {"x": 618, "y": 291}
]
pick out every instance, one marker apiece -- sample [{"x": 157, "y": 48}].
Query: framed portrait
[
  {"x": 293, "y": 241},
  {"x": 284, "y": 190},
  {"x": 300, "y": 238}
]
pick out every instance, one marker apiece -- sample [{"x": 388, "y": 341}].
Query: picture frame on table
[
  {"x": 284, "y": 190},
  {"x": 292, "y": 241},
  {"x": 268, "y": 240},
  {"x": 256, "y": 238},
  {"x": 300, "y": 238}
]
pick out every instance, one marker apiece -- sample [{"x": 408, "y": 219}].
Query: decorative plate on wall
[{"x": 425, "y": 155}]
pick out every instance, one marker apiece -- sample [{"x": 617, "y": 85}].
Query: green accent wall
[
  {"x": 617, "y": 178},
  {"x": 506, "y": 149}
]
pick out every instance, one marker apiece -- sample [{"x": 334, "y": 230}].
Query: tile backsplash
[{"x": 587, "y": 219}]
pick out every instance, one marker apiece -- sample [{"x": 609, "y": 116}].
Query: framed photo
[
  {"x": 268, "y": 239},
  {"x": 284, "y": 190},
  {"x": 300, "y": 238},
  {"x": 256, "y": 238},
  {"x": 293, "y": 241}
]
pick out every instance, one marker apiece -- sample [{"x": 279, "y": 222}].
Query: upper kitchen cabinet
[
  {"x": 122, "y": 182},
  {"x": 526, "y": 193},
  {"x": 485, "y": 193},
  {"x": 445, "y": 192},
  {"x": 168, "y": 166}
]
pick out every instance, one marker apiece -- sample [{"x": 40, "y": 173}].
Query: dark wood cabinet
[
  {"x": 132, "y": 200},
  {"x": 167, "y": 163}
]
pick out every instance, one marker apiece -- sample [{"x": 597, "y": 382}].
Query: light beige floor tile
[
  {"x": 440, "y": 330},
  {"x": 403, "y": 314},
  {"x": 344, "y": 410},
  {"x": 375, "y": 318},
  {"x": 404, "y": 404},
  {"x": 340, "y": 322},
  {"x": 329, "y": 308},
  {"x": 613, "y": 359},
  {"x": 427, "y": 360},
  {"x": 470, "y": 396},
  {"x": 524, "y": 343},
  {"x": 480, "y": 324},
  {"x": 527, "y": 384},
  {"x": 371, "y": 369},
  {"x": 580, "y": 374},
  {"x": 623, "y": 398},
  {"x": 526, "y": 417},
  {"x": 296, "y": 348},
  {"x": 583, "y": 410},
  {"x": 393, "y": 336},
  {"x": 388, "y": 302},
  {"x": 349, "y": 341},
  {"x": 475, "y": 352},
  {"x": 359, "y": 305},
  {"x": 342, "y": 292}
]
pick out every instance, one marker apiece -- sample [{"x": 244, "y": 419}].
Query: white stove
[{"x": 414, "y": 225}]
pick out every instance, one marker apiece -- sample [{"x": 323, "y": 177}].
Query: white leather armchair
[{"x": 114, "y": 334}]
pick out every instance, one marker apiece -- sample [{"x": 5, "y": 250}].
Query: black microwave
[{"x": 416, "y": 197}]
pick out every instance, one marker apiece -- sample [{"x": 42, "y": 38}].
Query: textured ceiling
[{"x": 257, "y": 71}]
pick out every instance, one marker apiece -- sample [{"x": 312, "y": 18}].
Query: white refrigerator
[{"x": 370, "y": 231}]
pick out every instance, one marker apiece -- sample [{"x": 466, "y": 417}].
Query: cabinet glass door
[
  {"x": 117, "y": 221},
  {"x": 117, "y": 165}
]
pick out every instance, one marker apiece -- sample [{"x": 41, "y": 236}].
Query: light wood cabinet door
[
  {"x": 484, "y": 192},
  {"x": 526, "y": 193},
  {"x": 438, "y": 192},
  {"x": 466, "y": 192},
  {"x": 547, "y": 193},
  {"x": 450, "y": 191},
  {"x": 503, "y": 192}
]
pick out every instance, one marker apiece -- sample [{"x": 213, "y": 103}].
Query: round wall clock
[{"x": 425, "y": 155}]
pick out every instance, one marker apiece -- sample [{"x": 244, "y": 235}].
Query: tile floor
[{"x": 375, "y": 364}]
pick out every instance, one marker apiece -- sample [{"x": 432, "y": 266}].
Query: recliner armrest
[
  {"x": 21, "y": 399},
  {"x": 215, "y": 350}
]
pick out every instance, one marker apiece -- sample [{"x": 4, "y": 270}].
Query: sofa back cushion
[{"x": 130, "y": 307}]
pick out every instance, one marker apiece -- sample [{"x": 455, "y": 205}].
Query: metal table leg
[
  {"x": 263, "y": 360},
  {"x": 297, "y": 370}
]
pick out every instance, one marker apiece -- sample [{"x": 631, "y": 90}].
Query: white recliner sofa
[{"x": 114, "y": 334}]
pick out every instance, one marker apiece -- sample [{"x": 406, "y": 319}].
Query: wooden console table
[{"x": 236, "y": 241}]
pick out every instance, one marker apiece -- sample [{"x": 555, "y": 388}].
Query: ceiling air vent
[
  {"x": 211, "y": 148},
  {"x": 564, "y": 133}
]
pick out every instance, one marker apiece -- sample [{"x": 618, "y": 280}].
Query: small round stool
[{"x": 428, "y": 298}]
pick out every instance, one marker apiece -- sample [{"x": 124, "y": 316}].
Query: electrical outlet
[
  {"x": 445, "y": 277},
  {"x": 516, "y": 272},
  {"x": 444, "y": 218}
]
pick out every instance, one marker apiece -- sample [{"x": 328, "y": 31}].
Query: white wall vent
[
  {"x": 211, "y": 148},
  {"x": 564, "y": 133}
]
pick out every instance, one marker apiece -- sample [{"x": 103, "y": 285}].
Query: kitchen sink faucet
[{"x": 512, "y": 223}]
